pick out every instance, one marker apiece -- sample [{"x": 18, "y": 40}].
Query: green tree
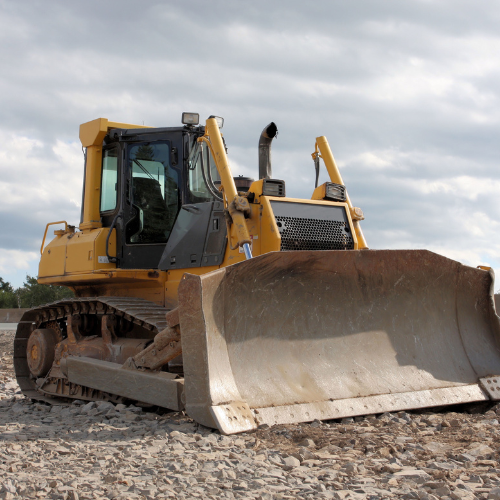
[
  {"x": 5, "y": 286},
  {"x": 145, "y": 152},
  {"x": 8, "y": 298},
  {"x": 32, "y": 294}
]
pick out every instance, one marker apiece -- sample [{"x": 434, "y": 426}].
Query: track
[{"x": 137, "y": 313}]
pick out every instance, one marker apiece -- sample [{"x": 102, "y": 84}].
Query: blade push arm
[
  {"x": 237, "y": 205},
  {"x": 334, "y": 173}
]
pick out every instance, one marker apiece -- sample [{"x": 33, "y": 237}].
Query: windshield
[{"x": 203, "y": 178}]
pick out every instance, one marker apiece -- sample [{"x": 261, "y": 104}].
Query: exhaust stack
[{"x": 267, "y": 136}]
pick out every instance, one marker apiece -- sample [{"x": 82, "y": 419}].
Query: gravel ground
[{"x": 87, "y": 451}]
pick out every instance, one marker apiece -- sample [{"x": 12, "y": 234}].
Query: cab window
[
  {"x": 109, "y": 179},
  {"x": 203, "y": 177},
  {"x": 153, "y": 193}
]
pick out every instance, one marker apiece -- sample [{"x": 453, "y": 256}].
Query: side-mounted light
[
  {"x": 190, "y": 118},
  {"x": 219, "y": 120},
  {"x": 273, "y": 187},
  {"x": 335, "y": 192}
]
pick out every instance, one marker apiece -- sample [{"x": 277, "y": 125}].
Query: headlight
[
  {"x": 335, "y": 192},
  {"x": 219, "y": 120},
  {"x": 273, "y": 187}
]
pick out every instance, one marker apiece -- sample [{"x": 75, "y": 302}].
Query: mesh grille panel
[{"x": 313, "y": 234}]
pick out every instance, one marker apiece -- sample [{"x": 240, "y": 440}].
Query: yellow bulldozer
[{"x": 221, "y": 296}]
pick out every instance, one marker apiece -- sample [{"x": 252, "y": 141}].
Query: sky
[{"x": 407, "y": 94}]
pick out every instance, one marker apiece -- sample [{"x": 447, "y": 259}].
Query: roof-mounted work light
[{"x": 190, "y": 118}]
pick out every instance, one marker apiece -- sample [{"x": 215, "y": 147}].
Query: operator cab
[{"x": 148, "y": 175}]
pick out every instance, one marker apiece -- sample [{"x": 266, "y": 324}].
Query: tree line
[{"x": 31, "y": 294}]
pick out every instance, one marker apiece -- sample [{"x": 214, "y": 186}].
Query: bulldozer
[{"x": 223, "y": 297}]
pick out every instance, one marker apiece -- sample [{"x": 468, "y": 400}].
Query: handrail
[
  {"x": 47, "y": 228},
  {"x": 119, "y": 215}
]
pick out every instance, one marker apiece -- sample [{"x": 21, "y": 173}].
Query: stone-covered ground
[{"x": 87, "y": 451}]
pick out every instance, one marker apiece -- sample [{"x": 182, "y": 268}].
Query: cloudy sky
[{"x": 407, "y": 93}]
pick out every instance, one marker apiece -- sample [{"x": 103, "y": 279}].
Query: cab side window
[
  {"x": 109, "y": 179},
  {"x": 203, "y": 177}
]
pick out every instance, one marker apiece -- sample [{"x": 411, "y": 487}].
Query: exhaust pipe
[{"x": 267, "y": 136}]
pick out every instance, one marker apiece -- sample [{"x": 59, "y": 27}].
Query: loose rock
[{"x": 84, "y": 451}]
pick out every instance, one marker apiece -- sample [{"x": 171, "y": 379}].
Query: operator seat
[{"x": 153, "y": 217}]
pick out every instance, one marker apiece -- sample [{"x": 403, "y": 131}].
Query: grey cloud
[
  {"x": 23, "y": 229},
  {"x": 347, "y": 70}
]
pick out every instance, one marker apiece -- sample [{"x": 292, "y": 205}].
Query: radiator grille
[{"x": 313, "y": 234}]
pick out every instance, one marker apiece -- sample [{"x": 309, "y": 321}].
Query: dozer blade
[{"x": 296, "y": 336}]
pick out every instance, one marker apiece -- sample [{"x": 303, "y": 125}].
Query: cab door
[{"x": 151, "y": 204}]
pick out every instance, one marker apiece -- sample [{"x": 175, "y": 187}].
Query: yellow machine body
[
  {"x": 281, "y": 323},
  {"x": 77, "y": 259},
  {"x": 72, "y": 259}
]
